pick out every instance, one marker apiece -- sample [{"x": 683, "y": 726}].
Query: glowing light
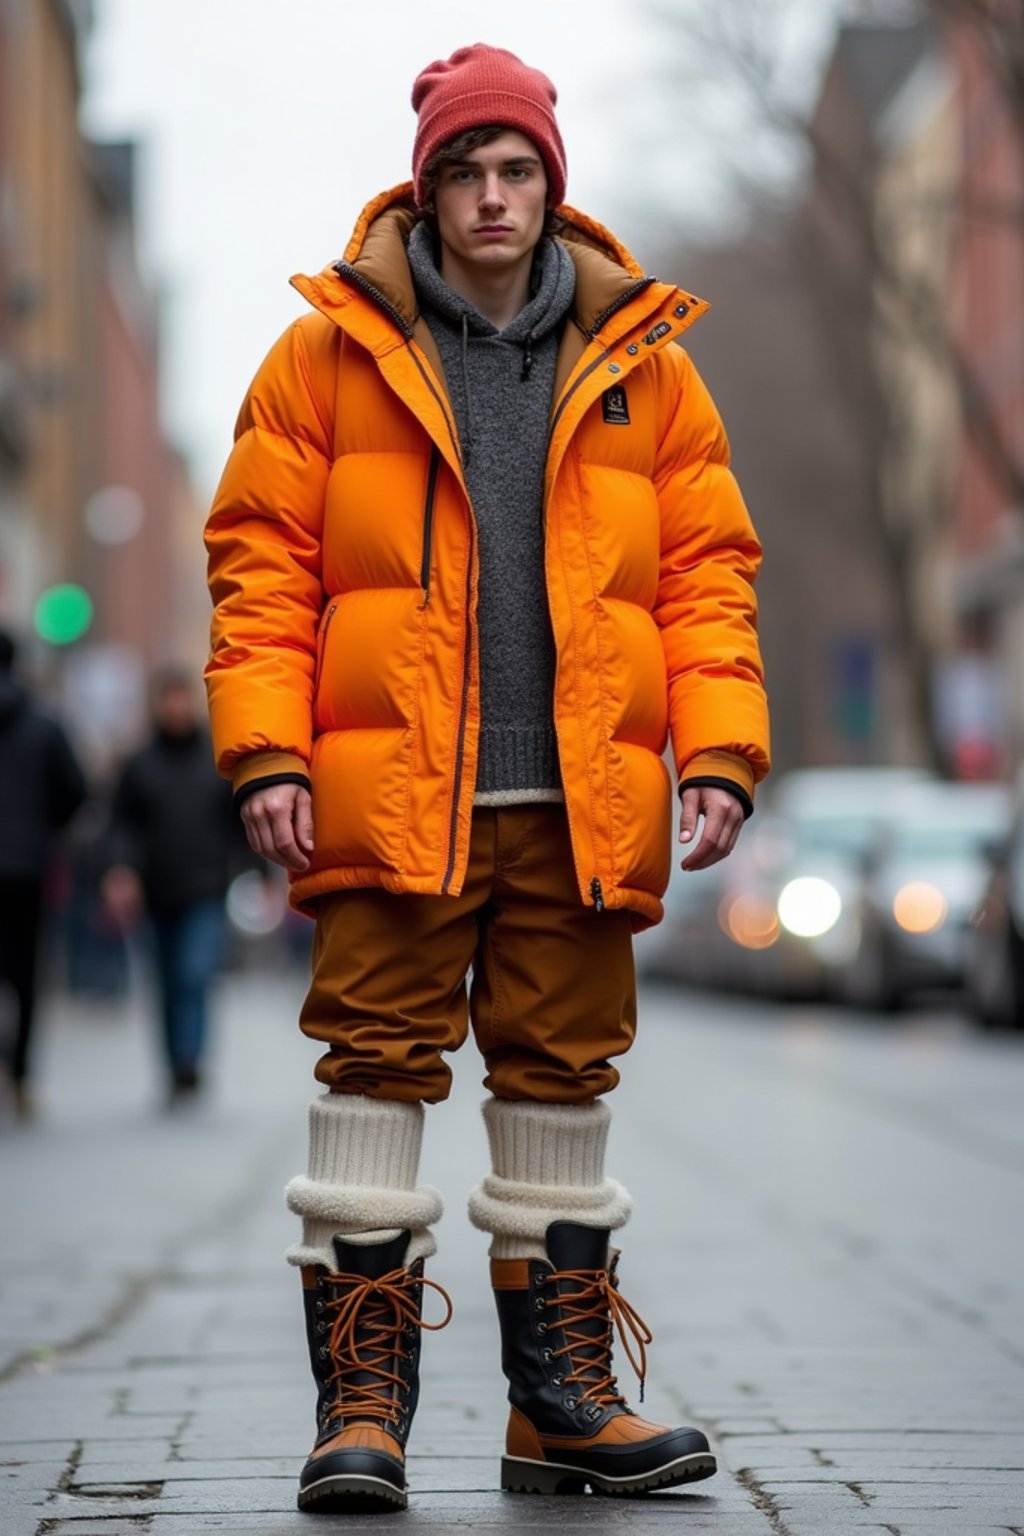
[
  {"x": 749, "y": 921},
  {"x": 256, "y": 907},
  {"x": 809, "y": 906},
  {"x": 919, "y": 907},
  {"x": 63, "y": 614},
  {"x": 114, "y": 514}
]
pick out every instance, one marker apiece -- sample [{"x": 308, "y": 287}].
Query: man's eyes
[{"x": 514, "y": 173}]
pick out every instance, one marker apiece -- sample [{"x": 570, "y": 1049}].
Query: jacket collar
[{"x": 607, "y": 276}]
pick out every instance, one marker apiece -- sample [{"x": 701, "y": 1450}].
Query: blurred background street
[
  {"x": 830, "y": 1211},
  {"x": 824, "y": 1111}
]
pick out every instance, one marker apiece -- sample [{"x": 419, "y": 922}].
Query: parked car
[
  {"x": 923, "y": 880},
  {"x": 774, "y": 918},
  {"x": 995, "y": 940}
]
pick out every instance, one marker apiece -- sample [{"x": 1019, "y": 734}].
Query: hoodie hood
[{"x": 552, "y": 287}]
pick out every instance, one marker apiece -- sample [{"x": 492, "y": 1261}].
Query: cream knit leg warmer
[
  {"x": 548, "y": 1165},
  {"x": 364, "y": 1155}
]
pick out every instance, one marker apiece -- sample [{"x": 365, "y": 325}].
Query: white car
[{"x": 923, "y": 884}]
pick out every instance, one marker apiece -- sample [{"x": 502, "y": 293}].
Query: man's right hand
[{"x": 279, "y": 824}]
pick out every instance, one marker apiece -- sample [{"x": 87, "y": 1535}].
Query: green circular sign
[{"x": 63, "y": 613}]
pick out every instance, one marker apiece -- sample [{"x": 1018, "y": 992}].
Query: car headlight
[
  {"x": 749, "y": 921},
  {"x": 809, "y": 906},
  {"x": 919, "y": 907}
]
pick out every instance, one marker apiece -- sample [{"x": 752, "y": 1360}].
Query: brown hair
[{"x": 457, "y": 149}]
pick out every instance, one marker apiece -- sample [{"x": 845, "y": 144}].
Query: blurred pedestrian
[
  {"x": 41, "y": 788},
  {"x": 173, "y": 846},
  {"x": 476, "y": 552}
]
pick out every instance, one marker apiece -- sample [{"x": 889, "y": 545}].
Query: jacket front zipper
[
  {"x": 467, "y": 658},
  {"x": 623, "y": 299},
  {"x": 348, "y": 273},
  {"x": 596, "y": 890},
  {"x": 602, "y": 319},
  {"x": 428, "y": 522}
]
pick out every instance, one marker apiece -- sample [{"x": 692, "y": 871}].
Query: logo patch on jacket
[
  {"x": 615, "y": 406},
  {"x": 656, "y": 333}
]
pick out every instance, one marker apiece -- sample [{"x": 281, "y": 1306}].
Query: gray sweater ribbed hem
[{"x": 518, "y": 757}]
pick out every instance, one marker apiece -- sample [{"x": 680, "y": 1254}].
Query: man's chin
[{"x": 496, "y": 254}]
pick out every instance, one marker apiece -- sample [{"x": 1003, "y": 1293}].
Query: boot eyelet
[
  {"x": 323, "y": 1352},
  {"x": 321, "y": 1327},
  {"x": 571, "y": 1403},
  {"x": 542, "y": 1327},
  {"x": 539, "y": 1304},
  {"x": 556, "y": 1381},
  {"x": 547, "y": 1355}
]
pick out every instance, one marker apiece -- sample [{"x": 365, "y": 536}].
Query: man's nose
[{"x": 491, "y": 194}]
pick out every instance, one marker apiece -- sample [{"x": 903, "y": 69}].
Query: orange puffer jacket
[{"x": 343, "y": 569}]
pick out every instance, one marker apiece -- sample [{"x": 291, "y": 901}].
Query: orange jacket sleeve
[
  {"x": 706, "y": 609},
  {"x": 263, "y": 538}
]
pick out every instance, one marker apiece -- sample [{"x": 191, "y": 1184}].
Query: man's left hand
[{"x": 723, "y": 819}]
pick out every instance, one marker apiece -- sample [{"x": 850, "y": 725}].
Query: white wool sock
[
  {"x": 364, "y": 1156},
  {"x": 548, "y": 1165}
]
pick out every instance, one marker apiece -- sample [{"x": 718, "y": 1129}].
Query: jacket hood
[{"x": 606, "y": 272}]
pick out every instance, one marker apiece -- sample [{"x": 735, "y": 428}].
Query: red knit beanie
[{"x": 481, "y": 85}]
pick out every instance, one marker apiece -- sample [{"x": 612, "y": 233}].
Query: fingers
[
  {"x": 304, "y": 820},
  {"x": 276, "y": 821},
  {"x": 723, "y": 821},
  {"x": 690, "y": 813}
]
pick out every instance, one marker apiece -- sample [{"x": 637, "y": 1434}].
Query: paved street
[{"x": 828, "y": 1244}]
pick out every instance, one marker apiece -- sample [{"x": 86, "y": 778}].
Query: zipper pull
[{"x": 597, "y": 894}]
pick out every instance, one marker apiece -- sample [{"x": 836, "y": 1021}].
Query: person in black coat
[
  {"x": 175, "y": 842},
  {"x": 41, "y": 788}
]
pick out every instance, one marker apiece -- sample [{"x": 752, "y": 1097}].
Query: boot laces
[
  {"x": 369, "y": 1319},
  {"x": 597, "y": 1298}
]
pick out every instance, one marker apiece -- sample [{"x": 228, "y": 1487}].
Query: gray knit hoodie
[{"x": 500, "y": 384}]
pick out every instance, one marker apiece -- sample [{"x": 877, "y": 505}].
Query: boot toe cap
[{"x": 354, "y": 1466}]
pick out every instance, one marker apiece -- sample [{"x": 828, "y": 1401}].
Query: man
[
  {"x": 41, "y": 788},
  {"x": 476, "y": 550},
  {"x": 174, "y": 843}
]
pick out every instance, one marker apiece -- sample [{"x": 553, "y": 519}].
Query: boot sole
[
  {"x": 518, "y": 1475},
  {"x": 352, "y": 1495}
]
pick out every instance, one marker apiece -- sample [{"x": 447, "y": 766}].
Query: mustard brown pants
[{"x": 553, "y": 992}]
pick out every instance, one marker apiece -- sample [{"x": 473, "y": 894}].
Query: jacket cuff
[
  {"x": 261, "y": 770},
  {"x": 721, "y": 770}
]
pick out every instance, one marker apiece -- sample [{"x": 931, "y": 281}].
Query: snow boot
[
  {"x": 363, "y": 1324},
  {"x": 569, "y": 1427}
]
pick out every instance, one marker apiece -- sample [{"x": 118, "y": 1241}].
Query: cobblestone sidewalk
[{"x": 828, "y": 1245}]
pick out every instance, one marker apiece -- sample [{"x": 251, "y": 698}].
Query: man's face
[
  {"x": 175, "y": 710},
  {"x": 491, "y": 205}
]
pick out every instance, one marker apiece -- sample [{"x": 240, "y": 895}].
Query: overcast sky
[{"x": 267, "y": 124}]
